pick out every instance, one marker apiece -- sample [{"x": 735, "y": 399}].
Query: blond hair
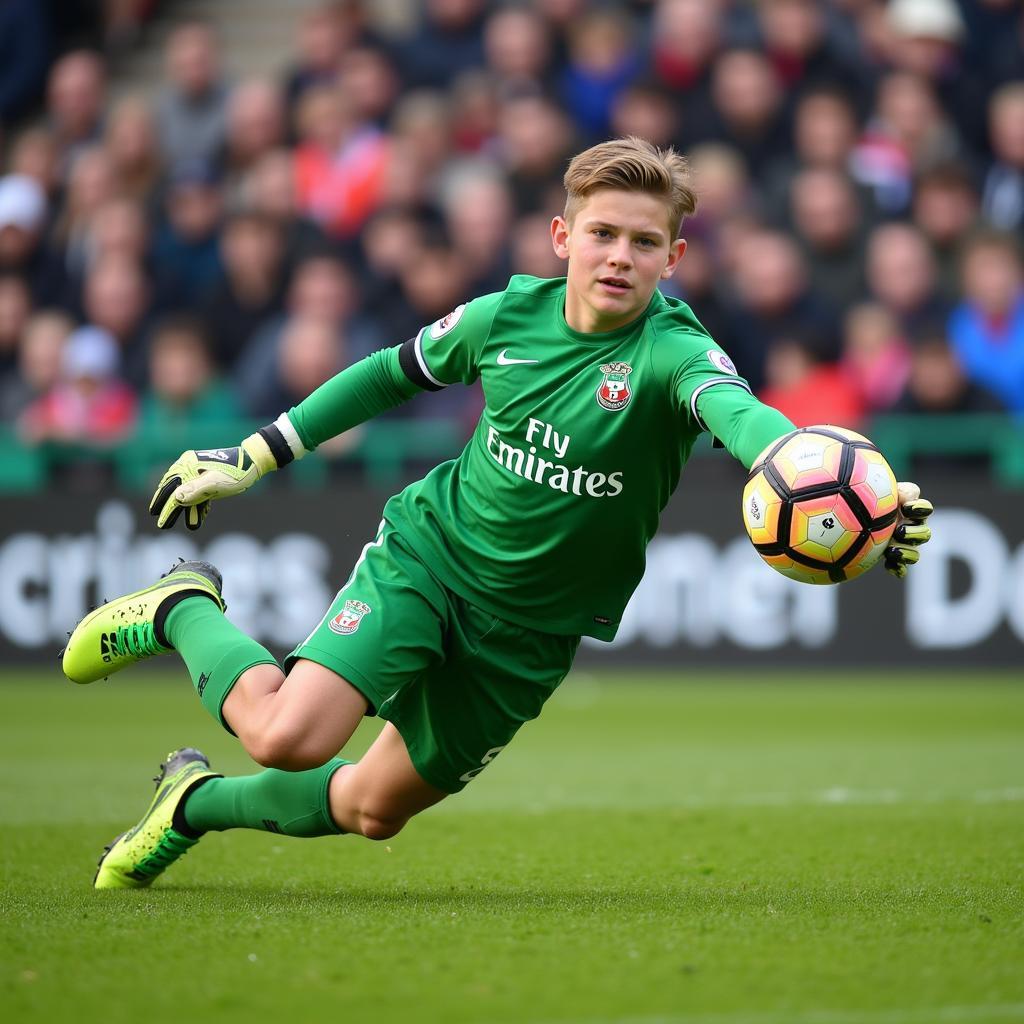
[{"x": 631, "y": 164}]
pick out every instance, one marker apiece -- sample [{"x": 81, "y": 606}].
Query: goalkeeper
[{"x": 463, "y": 614}]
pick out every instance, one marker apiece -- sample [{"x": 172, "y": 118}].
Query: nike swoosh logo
[{"x": 504, "y": 360}]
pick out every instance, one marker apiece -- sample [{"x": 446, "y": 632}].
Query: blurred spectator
[
  {"x": 131, "y": 144},
  {"x": 723, "y": 189},
  {"x": 775, "y": 303},
  {"x": 748, "y": 109},
  {"x": 187, "y": 248},
  {"x": 389, "y": 242},
  {"x": 828, "y": 223},
  {"x": 22, "y": 219},
  {"x": 825, "y": 132},
  {"x": 946, "y": 209},
  {"x": 15, "y": 307},
  {"x": 686, "y": 35},
  {"x": 805, "y": 389},
  {"x": 24, "y": 55},
  {"x": 311, "y": 352},
  {"x": 987, "y": 328},
  {"x": 269, "y": 189},
  {"x": 116, "y": 298},
  {"x": 340, "y": 164},
  {"x": 421, "y": 140},
  {"x": 76, "y": 97},
  {"x": 1003, "y": 191},
  {"x": 474, "y": 112},
  {"x": 535, "y": 144},
  {"x": 796, "y": 39},
  {"x": 447, "y": 41},
  {"x": 602, "y": 61},
  {"x": 39, "y": 360},
  {"x": 696, "y": 281},
  {"x": 250, "y": 287},
  {"x": 34, "y": 154},
  {"x": 322, "y": 290},
  {"x": 324, "y": 34},
  {"x": 906, "y": 134},
  {"x": 191, "y": 109},
  {"x": 517, "y": 49},
  {"x": 89, "y": 402},
  {"x": 91, "y": 183},
  {"x": 184, "y": 390},
  {"x": 876, "y": 357},
  {"x": 927, "y": 39},
  {"x": 369, "y": 79},
  {"x": 647, "y": 110},
  {"x": 477, "y": 205},
  {"x": 532, "y": 252},
  {"x": 901, "y": 276},
  {"x": 255, "y": 125},
  {"x": 937, "y": 383}
]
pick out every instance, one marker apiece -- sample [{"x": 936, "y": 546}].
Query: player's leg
[{"x": 378, "y": 794}]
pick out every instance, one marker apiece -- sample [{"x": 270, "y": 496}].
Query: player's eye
[
  {"x": 601, "y": 233},
  {"x": 647, "y": 243}
]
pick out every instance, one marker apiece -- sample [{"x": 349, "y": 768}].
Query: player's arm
[
  {"x": 440, "y": 354},
  {"x": 746, "y": 427},
  {"x": 355, "y": 395}
]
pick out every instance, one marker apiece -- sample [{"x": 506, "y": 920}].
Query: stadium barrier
[{"x": 706, "y": 598}]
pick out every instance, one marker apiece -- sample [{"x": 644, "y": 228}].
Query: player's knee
[
  {"x": 378, "y": 827},
  {"x": 282, "y": 747}
]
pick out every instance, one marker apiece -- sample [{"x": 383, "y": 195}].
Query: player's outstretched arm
[
  {"x": 353, "y": 396},
  {"x": 746, "y": 427}
]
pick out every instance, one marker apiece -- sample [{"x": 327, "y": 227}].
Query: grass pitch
[{"x": 654, "y": 850}]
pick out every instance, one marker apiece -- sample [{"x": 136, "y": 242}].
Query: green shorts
[{"x": 456, "y": 681}]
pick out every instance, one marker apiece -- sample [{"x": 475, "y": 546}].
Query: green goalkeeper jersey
[{"x": 545, "y": 516}]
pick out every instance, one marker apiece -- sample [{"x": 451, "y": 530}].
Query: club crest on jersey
[
  {"x": 614, "y": 391},
  {"x": 348, "y": 619}
]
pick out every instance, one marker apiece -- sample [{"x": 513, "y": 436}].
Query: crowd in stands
[{"x": 224, "y": 247}]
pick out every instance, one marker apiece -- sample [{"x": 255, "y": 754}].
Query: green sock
[
  {"x": 289, "y": 803},
  {"x": 215, "y": 652}
]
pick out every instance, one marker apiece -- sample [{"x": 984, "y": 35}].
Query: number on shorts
[{"x": 484, "y": 762}]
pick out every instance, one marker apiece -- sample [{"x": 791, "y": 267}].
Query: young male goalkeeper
[{"x": 465, "y": 611}]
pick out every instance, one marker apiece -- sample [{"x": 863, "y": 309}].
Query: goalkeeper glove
[
  {"x": 198, "y": 477},
  {"x": 911, "y": 532}
]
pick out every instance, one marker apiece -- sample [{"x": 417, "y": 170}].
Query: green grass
[{"x": 685, "y": 850}]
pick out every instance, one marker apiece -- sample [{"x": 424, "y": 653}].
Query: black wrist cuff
[{"x": 279, "y": 447}]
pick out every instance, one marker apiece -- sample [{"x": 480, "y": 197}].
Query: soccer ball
[{"x": 820, "y": 504}]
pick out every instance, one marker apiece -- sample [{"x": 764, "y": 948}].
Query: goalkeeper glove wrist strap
[{"x": 282, "y": 442}]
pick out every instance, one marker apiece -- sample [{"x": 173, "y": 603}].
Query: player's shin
[
  {"x": 288, "y": 803},
  {"x": 215, "y": 651}
]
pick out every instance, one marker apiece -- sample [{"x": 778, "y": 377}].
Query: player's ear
[
  {"x": 560, "y": 237},
  {"x": 675, "y": 254}
]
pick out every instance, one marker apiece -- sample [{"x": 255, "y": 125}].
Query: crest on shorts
[
  {"x": 348, "y": 619},
  {"x": 614, "y": 391}
]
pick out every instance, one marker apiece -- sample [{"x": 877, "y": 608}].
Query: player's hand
[
  {"x": 911, "y": 532},
  {"x": 198, "y": 477}
]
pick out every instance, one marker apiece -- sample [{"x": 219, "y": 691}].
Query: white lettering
[
  {"x": 594, "y": 482},
  {"x": 934, "y": 617}
]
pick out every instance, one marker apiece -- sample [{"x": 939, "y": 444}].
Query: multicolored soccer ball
[{"x": 821, "y": 504}]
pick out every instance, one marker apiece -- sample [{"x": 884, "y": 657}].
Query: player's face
[{"x": 619, "y": 246}]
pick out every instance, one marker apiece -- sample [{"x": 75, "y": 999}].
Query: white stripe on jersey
[
  {"x": 418, "y": 348},
  {"x": 291, "y": 436},
  {"x": 710, "y": 384}
]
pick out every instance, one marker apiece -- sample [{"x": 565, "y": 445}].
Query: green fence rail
[{"x": 387, "y": 450}]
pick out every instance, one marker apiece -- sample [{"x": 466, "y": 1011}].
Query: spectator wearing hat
[
  {"x": 89, "y": 403},
  {"x": 23, "y": 210}
]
